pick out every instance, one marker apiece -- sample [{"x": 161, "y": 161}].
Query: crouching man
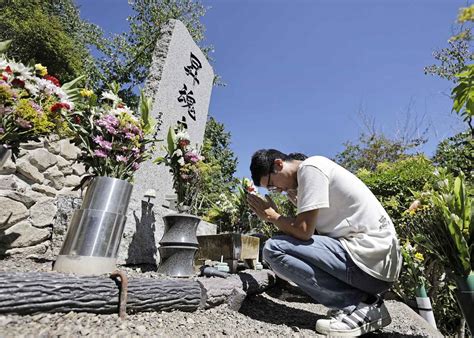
[{"x": 341, "y": 248}]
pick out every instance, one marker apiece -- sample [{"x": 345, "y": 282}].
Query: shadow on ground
[{"x": 262, "y": 309}]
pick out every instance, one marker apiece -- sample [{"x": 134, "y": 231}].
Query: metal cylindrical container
[
  {"x": 5, "y": 153},
  {"x": 93, "y": 237}
]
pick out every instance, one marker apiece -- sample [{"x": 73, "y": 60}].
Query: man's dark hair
[
  {"x": 262, "y": 163},
  {"x": 298, "y": 156}
]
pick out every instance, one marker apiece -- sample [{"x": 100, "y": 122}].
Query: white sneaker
[{"x": 365, "y": 318}]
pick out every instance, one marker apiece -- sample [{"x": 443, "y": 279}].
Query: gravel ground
[{"x": 274, "y": 313}]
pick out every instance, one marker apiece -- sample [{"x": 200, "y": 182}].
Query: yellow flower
[
  {"x": 466, "y": 14},
  {"x": 42, "y": 70},
  {"x": 86, "y": 92},
  {"x": 419, "y": 257}
]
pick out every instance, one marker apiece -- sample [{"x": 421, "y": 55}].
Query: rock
[
  {"x": 72, "y": 181},
  {"x": 56, "y": 177},
  {"x": 39, "y": 249},
  {"x": 64, "y": 165},
  {"x": 43, "y": 212},
  {"x": 53, "y": 147},
  {"x": 42, "y": 159},
  {"x": 69, "y": 192},
  {"x": 30, "y": 145},
  {"x": 12, "y": 182},
  {"x": 9, "y": 167},
  {"x": 35, "y": 195},
  {"x": 78, "y": 169},
  {"x": 11, "y": 212},
  {"x": 68, "y": 150},
  {"x": 17, "y": 196},
  {"x": 49, "y": 191},
  {"x": 23, "y": 234},
  {"x": 28, "y": 171}
]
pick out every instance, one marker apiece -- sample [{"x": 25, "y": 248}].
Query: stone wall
[{"x": 29, "y": 191}]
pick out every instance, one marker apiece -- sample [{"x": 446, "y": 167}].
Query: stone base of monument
[{"x": 230, "y": 248}]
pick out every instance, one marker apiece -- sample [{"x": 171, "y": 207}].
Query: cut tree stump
[{"x": 38, "y": 292}]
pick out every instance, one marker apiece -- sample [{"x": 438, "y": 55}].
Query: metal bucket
[
  {"x": 5, "y": 154},
  {"x": 93, "y": 237}
]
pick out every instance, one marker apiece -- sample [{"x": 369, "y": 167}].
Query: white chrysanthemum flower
[
  {"x": 178, "y": 153},
  {"x": 181, "y": 161},
  {"x": 21, "y": 71},
  {"x": 182, "y": 135},
  {"x": 108, "y": 95},
  {"x": 32, "y": 88}
]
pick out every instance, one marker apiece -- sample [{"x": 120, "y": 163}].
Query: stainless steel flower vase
[
  {"x": 178, "y": 245},
  {"x": 93, "y": 237},
  {"x": 5, "y": 154}
]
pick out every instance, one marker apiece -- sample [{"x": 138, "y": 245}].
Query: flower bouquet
[
  {"x": 113, "y": 141},
  {"x": 32, "y": 103},
  {"x": 186, "y": 166},
  {"x": 413, "y": 261}
]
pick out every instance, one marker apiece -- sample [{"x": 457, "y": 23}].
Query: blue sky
[{"x": 299, "y": 72}]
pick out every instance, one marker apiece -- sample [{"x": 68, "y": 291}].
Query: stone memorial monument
[{"x": 180, "y": 83}]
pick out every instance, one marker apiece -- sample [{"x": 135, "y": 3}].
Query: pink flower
[
  {"x": 135, "y": 166},
  {"x": 191, "y": 157},
  {"x": 23, "y": 123},
  {"x": 103, "y": 143},
  {"x": 121, "y": 158},
  {"x": 100, "y": 153}
]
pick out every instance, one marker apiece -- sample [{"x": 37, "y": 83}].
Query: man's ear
[{"x": 278, "y": 164}]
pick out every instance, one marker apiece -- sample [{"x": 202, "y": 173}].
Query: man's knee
[{"x": 271, "y": 250}]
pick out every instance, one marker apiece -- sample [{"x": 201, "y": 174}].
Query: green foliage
[
  {"x": 463, "y": 95},
  {"x": 127, "y": 56},
  {"x": 373, "y": 149},
  {"x": 46, "y": 32},
  {"x": 219, "y": 179},
  {"x": 393, "y": 183},
  {"x": 456, "y": 153},
  {"x": 454, "y": 58}
]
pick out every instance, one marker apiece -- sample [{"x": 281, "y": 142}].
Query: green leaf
[
  {"x": 4, "y": 45},
  {"x": 171, "y": 139}
]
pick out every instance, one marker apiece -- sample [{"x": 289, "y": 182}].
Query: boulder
[
  {"x": 9, "y": 167},
  {"x": 39, "y": 249},
  {"x": 78, "y": 169},
  {"x": 28, "y": 201},
  {"x": 43, "y": 212},
  {"x": 68, "y": 150},
  {"x": 56, "y": 177},
  {"x": 13, "y": 182},
  {"x": 64, "y": 165},
  {"x": 49, "y": 191},
  {"x": 72, "y": 181},
  {"x": 23, "y": 234},
  {"x": 42, "y": 159},
  {"x": 30, "y": 145},
  {"x": 30, "y": 172},
  {"x": 11, "y": 212}
]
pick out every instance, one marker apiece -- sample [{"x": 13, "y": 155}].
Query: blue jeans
[{"x": 323, "y": 269}]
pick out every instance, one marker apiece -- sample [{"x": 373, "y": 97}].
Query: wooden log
[{"x": 35, "y": 292}]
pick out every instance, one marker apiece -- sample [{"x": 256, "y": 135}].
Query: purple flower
[
  {"x": 135, "y": 166},
  {"x": 23, "y": 123},
  {"x": 121, "y": 158},
  {"x": 129, "y": 135},
  {"x": 100, "y": 153},
  {"x": 110, "y": 122},
  {"x": 36, "y": 106},
  {"x": 191, "y": 157},
  {"x": 136, "y": 151},
  {"x": 103, "y": 143},
  {"x": 2, "y": 131}
]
